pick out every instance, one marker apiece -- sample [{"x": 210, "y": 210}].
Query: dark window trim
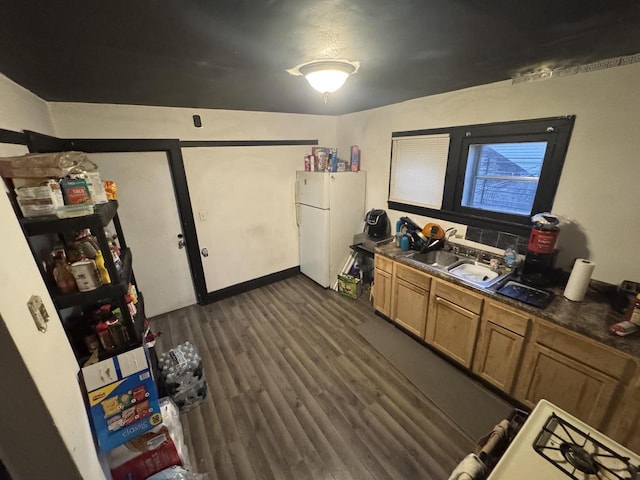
[
  {"x": 245, "y": 143},
  {"x": 461, "y": 137}
]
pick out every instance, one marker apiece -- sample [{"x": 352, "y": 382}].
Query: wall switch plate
[
  {"x": 203, "y": 215},
  {"x": 38, "y": 312}
]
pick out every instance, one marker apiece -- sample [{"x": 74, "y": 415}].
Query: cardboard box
[
  {"x": 123, "y": 400},
  {"x": 349, "y": 286}
]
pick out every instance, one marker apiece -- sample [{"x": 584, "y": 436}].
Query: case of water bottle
[{"x": 183, "y": 374}]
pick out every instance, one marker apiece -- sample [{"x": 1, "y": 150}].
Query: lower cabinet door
[
  {"x": 453, "y": 330},
  {"x": 410, "y": 304},
  {"x": 624, "y": 424},
  {"x": 382, "y": 292},
  {"x": 578, "y": 388},
  {"x": 498, "y": 355}
]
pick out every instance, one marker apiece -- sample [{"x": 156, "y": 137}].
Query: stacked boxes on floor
[
  {"x": 123, "y": 400},
  {"x": 183, "y": 373}
]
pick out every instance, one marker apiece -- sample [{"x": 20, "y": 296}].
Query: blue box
[{"x": 123, "y": 399}]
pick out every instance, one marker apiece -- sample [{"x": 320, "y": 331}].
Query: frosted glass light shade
[
  {"x": 327, "y": 76},
  {"x": 327, "y": 81}
]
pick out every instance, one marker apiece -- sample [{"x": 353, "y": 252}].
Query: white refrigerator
[{"x": 329, "y": 212}]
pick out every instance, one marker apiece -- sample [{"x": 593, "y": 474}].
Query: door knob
[{"x": 181, "y": 242}]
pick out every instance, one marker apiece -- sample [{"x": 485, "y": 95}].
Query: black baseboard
[{"x": 250, "y": 285}]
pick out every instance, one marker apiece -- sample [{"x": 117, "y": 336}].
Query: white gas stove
[{"x": 552, "y": 444}]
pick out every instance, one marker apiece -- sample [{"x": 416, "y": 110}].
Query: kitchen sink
[
  {"x": 436, "y": 258},
  {"x": 474, "y": 272},
  {"x": 465, "y": 268}
]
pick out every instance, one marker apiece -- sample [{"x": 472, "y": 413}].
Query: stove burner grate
[
  {"x": 578, "y": 453},
  {"x": 579, "y": 458}
]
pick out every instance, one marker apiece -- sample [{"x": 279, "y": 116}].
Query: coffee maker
[{"x": 539, "y": 262}]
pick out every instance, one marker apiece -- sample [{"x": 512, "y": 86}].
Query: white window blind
[{"x": 418, "y": 168}]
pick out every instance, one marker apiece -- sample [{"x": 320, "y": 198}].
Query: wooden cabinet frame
[
  {"x": 522, "y": 355},
  {"x": 500, "y": 344}
]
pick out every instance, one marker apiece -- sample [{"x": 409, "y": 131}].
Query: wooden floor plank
[{"x": 296, "y": 393}]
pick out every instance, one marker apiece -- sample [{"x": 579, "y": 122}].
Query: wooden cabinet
[
  {"x": 383, "y": 269},
  {"x": 624, "y": 423},
  {"x": 573, "y": 372},
  {"x": 500, "y": 344},
  {"x": 453, "y": 321},
  {"x": 522, "y": 355},
  {"x": 410, "y": 298}
]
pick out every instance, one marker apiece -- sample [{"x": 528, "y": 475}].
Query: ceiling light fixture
[{"x": 326, "y": 76}]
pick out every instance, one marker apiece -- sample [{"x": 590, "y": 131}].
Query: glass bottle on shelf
[
  {"x": 62, "y": 275},
  {"x": 104, "y": 335}
]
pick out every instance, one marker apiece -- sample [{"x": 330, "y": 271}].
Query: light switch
[
  {"x": 38, "y": 312},
  {"x": 203, "y": 215}
]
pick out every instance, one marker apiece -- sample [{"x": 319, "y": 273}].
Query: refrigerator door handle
[{"x": 298, "y": 215}]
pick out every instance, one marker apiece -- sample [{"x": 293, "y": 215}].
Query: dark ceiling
[{"x": 233, "y": 54}]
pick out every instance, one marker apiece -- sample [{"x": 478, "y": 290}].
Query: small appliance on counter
[
  {"x": 377, "y": 224},
  {"x": 377, "y": 231},
  {"x": 625, "y": 293},
  {"x": 539, "y": 262},
  {"x": 555, "y": 445}
]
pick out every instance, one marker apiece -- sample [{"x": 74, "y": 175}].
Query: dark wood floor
[{"x": 296, "y": 393}]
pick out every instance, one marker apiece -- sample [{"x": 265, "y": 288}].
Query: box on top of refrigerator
[{"x": 123, "y": 400}]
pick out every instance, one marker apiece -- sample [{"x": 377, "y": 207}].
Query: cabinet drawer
[
  {"x": 459, "y": 296},
  {"x": 512, "y": 320},
  {"x": 585, "y": 351},
  {"x": 383, "y": 263},
  {"x": 413, "y": 276}
]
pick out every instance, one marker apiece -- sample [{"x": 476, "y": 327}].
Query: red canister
[{"x": 543, "y": 241}]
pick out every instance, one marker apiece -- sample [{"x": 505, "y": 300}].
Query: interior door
[
  {"x": 243, "y": 201},
  {"x": 149, "y": 216}
]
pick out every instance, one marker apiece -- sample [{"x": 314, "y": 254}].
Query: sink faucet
[{"x": 450, "y": 232}]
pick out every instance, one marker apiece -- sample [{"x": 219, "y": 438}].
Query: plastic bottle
[
  {"x": 102, "y": 270},
  {"x": 404, "y": 243}
]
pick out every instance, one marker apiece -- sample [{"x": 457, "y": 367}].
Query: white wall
[
  {"x": 42, "y": 412},
  {"x": 247, "y": 193},
  {"x": 598, "y": 193}
]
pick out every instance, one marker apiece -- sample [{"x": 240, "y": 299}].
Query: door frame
[{"x": 40, "y": 143}]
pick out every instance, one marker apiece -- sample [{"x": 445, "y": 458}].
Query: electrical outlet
[{"x": 38, "y": 312}]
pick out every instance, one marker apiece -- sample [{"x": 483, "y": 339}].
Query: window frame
[{"x": 556, "y": 131}]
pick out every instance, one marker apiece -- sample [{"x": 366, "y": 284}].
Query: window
[
  {"x": 418, "y": 166},
  {"x": 503, "y": 177},
  {"x": 495, "y": 175}
]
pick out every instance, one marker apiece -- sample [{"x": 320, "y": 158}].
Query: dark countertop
[{"x": 592, "y": 317}]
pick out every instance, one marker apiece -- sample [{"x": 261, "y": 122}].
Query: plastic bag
[
  {"x": 178, "y": 473},
  {"x": 56, "y": 165},
  {"x": 153, "y": 451}
]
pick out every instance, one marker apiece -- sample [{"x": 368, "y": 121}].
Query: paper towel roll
[{"x": 579, "y": 280}]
